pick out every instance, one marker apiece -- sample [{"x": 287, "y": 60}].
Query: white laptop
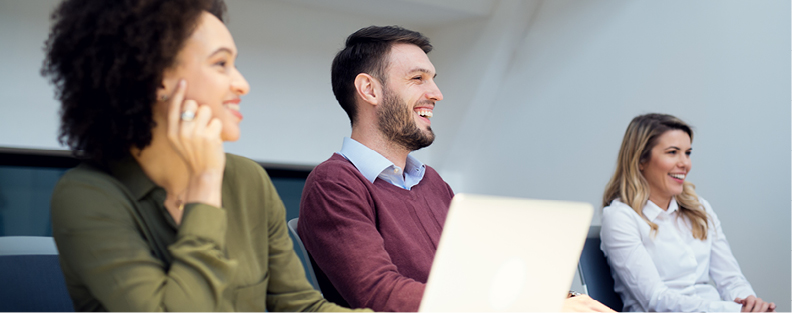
[{"x": 506, "y": 254}]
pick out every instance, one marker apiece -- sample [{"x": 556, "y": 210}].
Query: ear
[
  {"x": 368, "y": 88},
  {"x": 167, "y": 85}
]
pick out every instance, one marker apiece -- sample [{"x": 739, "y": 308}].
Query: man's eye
[{"x": 417, "y": 78}]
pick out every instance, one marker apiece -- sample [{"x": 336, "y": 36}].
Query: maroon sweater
[{"x": 375, "y": 242}]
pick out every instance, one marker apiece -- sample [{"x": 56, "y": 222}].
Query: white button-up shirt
[{"x": 670, "y": 272}]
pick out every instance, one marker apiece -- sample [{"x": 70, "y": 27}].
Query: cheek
[
  {"x": 202, "y": 86},
  {"x": 663, "y": 165},
  {"x": 658, "y": 170}
]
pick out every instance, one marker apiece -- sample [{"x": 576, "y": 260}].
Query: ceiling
[{"x": 423, "y": 13}]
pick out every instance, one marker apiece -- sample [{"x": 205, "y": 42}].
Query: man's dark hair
[
  {"x": 106, "y": 60},
  {"x": 366, "y": 51}
]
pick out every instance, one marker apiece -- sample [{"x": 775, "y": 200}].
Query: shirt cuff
[
  {"x": 732, "y": 306},
  {"x": 204, "y": 221},
  {"x": 743, "y": 293}
]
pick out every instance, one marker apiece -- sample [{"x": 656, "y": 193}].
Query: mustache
[{"x": 425, "y": 101}]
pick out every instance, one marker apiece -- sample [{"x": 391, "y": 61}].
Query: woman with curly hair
[
  {"x": 159, "y": 217},
  {"x": 662, "y": 241}
]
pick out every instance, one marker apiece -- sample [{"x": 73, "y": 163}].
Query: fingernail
[{"x": 182, "y": 82}]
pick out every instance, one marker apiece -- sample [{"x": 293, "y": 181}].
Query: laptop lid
[{"x": 506, "y": 254}]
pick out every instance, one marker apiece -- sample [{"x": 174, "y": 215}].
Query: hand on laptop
[{"x": 584, "y": 303}]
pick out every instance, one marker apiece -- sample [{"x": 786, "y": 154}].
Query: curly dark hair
[
  {"x": 366, "y": 51},
  {"x": 106, "y": 60}
]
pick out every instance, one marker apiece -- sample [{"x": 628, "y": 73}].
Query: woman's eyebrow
[{"x": 222, "y": 49}]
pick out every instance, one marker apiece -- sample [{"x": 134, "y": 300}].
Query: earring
[{"x": 163, "y": 98}]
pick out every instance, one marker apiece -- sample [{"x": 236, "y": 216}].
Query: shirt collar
[
  {"x": 129, "y": 173},
  {"x": 371, "y": 164},
  {"x": 652, "y": 211},
  {"x": 367, "y": 161},
  {"x": 414, "y": 171}
]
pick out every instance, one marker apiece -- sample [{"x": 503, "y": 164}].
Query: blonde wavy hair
[{"x": 628, "y": 183}]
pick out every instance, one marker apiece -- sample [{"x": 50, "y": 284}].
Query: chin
[{"x": 230, "y": 136}]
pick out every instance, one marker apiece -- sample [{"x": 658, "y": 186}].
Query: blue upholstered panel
[
  {"x": 32, "y": 283},
  {"x": 596, "y": 275}
]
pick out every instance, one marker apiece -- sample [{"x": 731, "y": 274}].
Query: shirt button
[{"x": 396, "y": 171}]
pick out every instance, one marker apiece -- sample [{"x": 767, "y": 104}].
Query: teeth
[
  {"x": 231, "y": 106},
  {"x": 678, "y": 176},
  {"x": 425, "y": 113}
]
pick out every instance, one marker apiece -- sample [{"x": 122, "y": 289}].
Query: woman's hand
[
  {"x": 584, "y": 303},
  {"x": 195, "y": 135},
  {"x": 754, "y": 304}
]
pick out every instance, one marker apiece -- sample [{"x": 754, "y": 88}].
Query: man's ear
[{"x": 368, "y": 88}]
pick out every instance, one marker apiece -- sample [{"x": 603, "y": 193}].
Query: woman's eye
[
  {"x": 672, "y": 152},
  {"x": 221, "y": 63},
  {"x": 688, "y": 153}
]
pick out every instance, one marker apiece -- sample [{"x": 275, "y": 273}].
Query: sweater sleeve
[
  {"x": 100, "y": 244},
  {"x": 338, "y": 228}
]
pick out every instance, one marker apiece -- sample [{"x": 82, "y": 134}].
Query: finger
[
  {"x": 189, "y": 105},
  {"x": 764, "y": 308},
  {"x": 749, "y": 304},
  {"x": 187, "y": 127},
  {"x": 758, "y": 305},
  {"x": 574, "y": 304},
  {"x": 202, "y": 117},
  {"x": 214, "y": 128},
  {"x": 174, "y": 111},
  {"x": 593, "y": 305},
  {"x": 772, "y": 307},
  {"x": 739, "y": 300}
]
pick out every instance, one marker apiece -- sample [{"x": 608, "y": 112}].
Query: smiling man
[{"x": 371, "y": 215}]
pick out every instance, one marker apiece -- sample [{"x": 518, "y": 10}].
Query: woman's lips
[
  {"x": 233, "y": 107},
  {"x": 678, "y": 177}
]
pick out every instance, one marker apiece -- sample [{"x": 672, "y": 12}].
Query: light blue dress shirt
[{"x": 373, "y": 165}]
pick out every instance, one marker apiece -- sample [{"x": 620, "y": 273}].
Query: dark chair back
[
  {"x": 309, "y": 269},
  {"x": 595, "y": 273},
  {"x": 319, "y": 279},
  {"x": 31, "y": 282}
]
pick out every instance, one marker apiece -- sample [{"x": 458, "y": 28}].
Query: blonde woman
[{"x": 662, "y": 241}]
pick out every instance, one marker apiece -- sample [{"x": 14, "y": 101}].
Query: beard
[{"x": 395, "y": 120}]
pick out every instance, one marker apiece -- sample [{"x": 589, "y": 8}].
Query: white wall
[
  {"x": 29, "y": 115},
  {"x": 537, "y": 96},
  {"x": 543, "y": 117}
]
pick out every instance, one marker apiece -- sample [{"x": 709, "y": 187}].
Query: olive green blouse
[{"x": 120, "y": 250}]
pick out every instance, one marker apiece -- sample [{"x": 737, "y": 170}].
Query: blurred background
[{"x": 538, "y": 95}]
